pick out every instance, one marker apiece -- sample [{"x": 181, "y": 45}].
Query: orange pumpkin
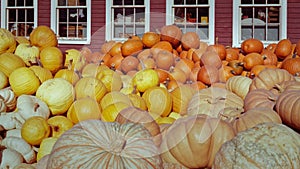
[
  {"x": 283, "y": 48},
  {"x": 150, "y": 38},
  {"x": 219, "y": 49},
  {"x": 172, "y": 34},
  {"x": 208, "y": 74},
  {"x": 42, "y": 37},
  {"x": 190, "y": 40},
  {"x": 292, "y": 65},
  {"x": 252, "y": 59},
  {"x": 131, "y": 47},
  {"x": 252, "y": 45}
]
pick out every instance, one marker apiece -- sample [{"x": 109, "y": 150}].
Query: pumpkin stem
[
  {"x": 279, "y": 88},
  {"x": 297, "y": 74},
  {"x": 35, "y": 107},
  {"x": 39, "y": 63}
]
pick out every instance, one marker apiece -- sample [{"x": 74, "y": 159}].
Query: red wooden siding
[
  {"x": 223, "y": 21},
  {"x": 158, "y": 15},
  {"x": 293, "y": 22}
]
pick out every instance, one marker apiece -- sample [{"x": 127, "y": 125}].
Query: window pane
[
  {"x": 203, "y": 15},
  {"x": 246, "y": 2},
  {"x": 82, "y": 3},
  {"x": 118, "y": 14},
  {"x": 140, "y": 15},
  {"x": 139, "y": 2},
  {"x": 29, "y": 3},
  {"x": 191, "y": 15},
  {"x": 259, "y": 32},
  {"x": 260, "y": 1},
  {"x": 30, "y": 15},
  {"x": 201, "y": 2},
  {"x": 117, "y": 2},
  {"x": 260, "y": 13},
  {"x": 10, "y": 3},
  {"x": 20, "y": 2},
  {"x": 247, "y": 12},
  {"x": 21, "y": 15},
  {"x": 82, "y": 13},
  {"x": 62, "y": 15},
  {"x": 178, "y": 2},
  {"x": 73, "y": 15},
  {"x": 62, "y": 2},
  {"x": 128, "y": 2},
  {"x": 179, "y": 12},
  {"x": 273, "y": 15},
  {"x": 273, "y": 33},
  {"x": 12, "y": 15},
  {"x": 191, "y": 2},
  {"x": 273, "y": 1},
  {"x": 129, "y": 11},
  {"x": 73, "y": 2}
]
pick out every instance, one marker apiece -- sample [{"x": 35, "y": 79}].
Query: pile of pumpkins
[{"x": 163, "y": 100}]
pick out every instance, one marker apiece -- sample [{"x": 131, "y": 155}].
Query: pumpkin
[
  {"x": 252, "y": 45},
  {"x": 269, "y": 57},
  {"x": 114, "y": 97},
  {"x": 42, "y": 37},
  {"x": 237, "y": 66},
  {"x": 292, "y": 65},
  {"x": 190, "y": 40},
  {"x": 225, "y": 73},
  {"x": 239, "y": 85},
  {"x": 212, "y": 101},
  {"x": 42, "y": 73},
  {"x": 283, "y": 48},
  {"x": 135, "y": 115},
  {"x": 150, "y": 38},
  {"x": 211, "y": 58},
  {"x": 90, "y": 87},
  {"x": 115, "y": 49},
  {"x": 288, "y": 107},
  {"x": 269, "y": 78},
  {"x": 253, "y": 117},
  {"x": 111, "y": 79},
  {"x": 3, "y": 80},
  {"x": 9, "y": 62},
  {"x": 24, "y": 81},
  {"x": 251, "y": 60},
  {"x": 208, "y": 74},
  {"x": 131, "y": 47},
  {"x": 164, "y": 60},
  {"x": 115, "y": 61},
  {"x": 51, "y": 58},
  {"x": 7, "y": 42},
  {"x": 119, "y": 144},
  {"x": 83, "y": 109},
  {"x": 172, "y": 34},
  {"x": 28, "y": 53},
  {"x": 181, "y": 96},
  {"x": 260, "y": 98},
  {"x": 57, "y": 93},
  {"x": 129, "y": 63},
  {"x": 219, "y": 49},
  {"x": 193, "y": 141},
  {"x": 186, "y": 65},
  {"x": 137, "y": 101},
  {"x": 255, "y": 70},
  {"x": 267, "y": 145},
  {"x": 68, "y": 74},
  {"x": 231, "y": 54},
  {"x": 162, "y": 107},
  {"x": 145, "y": 79},
  {"x": 106, "y": 46},
  {"x": 110, "y": 113},
  {"x": 162, "y": 45},
  {"x": 177, "y": 74}
]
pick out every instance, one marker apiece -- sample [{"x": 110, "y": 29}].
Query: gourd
[
  {"x": 260, "y": 98},
  {"x": 267, "y": 145},
  {"x": 239, "y": 85},
  {"x": 193, "y": 141},
  {"x": 105, "y": 145}
]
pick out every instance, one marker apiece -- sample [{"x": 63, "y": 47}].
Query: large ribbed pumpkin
[
  {"x": 42, "y": 36},
  {"x": 193, "y": 141},
  {"x": 288, "y": 107},
  {"x": 7, "y": 41},
  {"x": 106, "y": 145},
  {"x": 239, "y": 85},
  {"x": 57, "y": 93},
  {"x": 260, "y": 98},
  {"x": 267, "y": 145}
]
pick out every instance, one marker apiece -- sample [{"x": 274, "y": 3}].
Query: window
[
  {"x": 261, "y": 19},
  {"x": 19, "y": 16},
  {"x": 71, "y": 21},
  {"x": 126, "y": 18},
  {"x": 192, "y": 16}
]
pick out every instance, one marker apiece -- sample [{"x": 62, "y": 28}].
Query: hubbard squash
[{"x": 267, "y": 145}]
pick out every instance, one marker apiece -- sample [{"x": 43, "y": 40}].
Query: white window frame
[
  {"x": 110, "y": 20},
  {"x": 4, "y": 17},
  {"x": 236, "y": 23},
  {"x": 211, "y": 24},
  {"x": 54, "y": 24}
]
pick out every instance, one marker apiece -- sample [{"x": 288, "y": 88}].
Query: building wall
[{"x": 223, "y": 20}]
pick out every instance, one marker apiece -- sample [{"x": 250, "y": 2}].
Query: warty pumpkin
[
  {"x": 267, "y": 145},
  {"x": 105, "y": 145}
]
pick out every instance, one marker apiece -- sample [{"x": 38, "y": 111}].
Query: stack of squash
[{"x": 163, "y": 100}]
